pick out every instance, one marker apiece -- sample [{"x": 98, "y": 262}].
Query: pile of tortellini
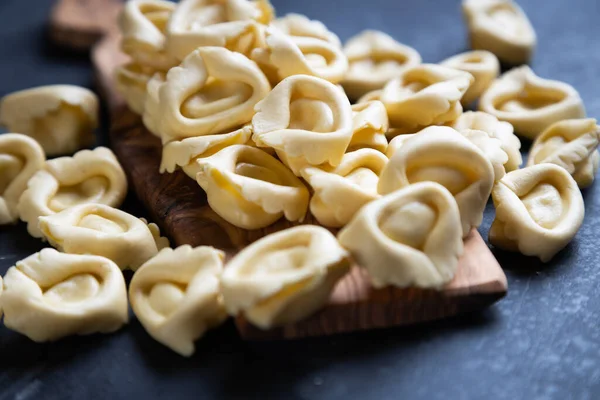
[{"x": 257, "y": 110}]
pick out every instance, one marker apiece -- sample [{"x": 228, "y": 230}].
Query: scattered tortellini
[
  {"x": 409, "y": 237},
  {"x": 539, "y": 209},
  {"x": 307, "y": 120},
  {"x": 212, "y": 91},
  {"x": 491, "y": 148},
  {"x": 20, "y": 158},
  {"x": 298, "y": 25},
  {"x": 571, "y": 144},
  {"x": 143, "y": 24},
  {"x": 103, "y": 231},
  {"x": 374, "y": 58},
  {"x": 90, "y": 176},
  {"x": 176, "y": 295},
  {"x": 501, "y": 27},
  {"x": 442, "y": 155},
  {"x": 250, "y": 188},
  {"x": 234, "y": 24},
  {"x": 50, "y": 295},
  {"x": 341, "y": 191},
  {"x": 530, "y": 103},
  {"x": 284, "y": 277},
  {"x": 424, "y": 95},
  {"x": 62, "y": 118},
  {"x": 483, "y": 65},
  {"x": 131, "y": 80},
  {"x": 369, "y": 126},
  {"x": 500, "y": 130},
  {"x": 285, "y": 55}
]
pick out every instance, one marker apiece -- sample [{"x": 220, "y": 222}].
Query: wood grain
[{"x": 180, "y": 208}]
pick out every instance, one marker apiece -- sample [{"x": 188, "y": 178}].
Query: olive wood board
[{"x": 179, "y": 206}]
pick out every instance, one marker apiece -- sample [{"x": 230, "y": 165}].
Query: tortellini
[
  {"x": 410, "y": 237},
  {"x": 152, "y": 106},
  {"x": 307, "y": 119},
  {"x": 20, "y": 158},
  {"x": 131, "y": 80},
  {"x": 530, "y": 103},
  {"x": 484, "y": 67},
  {"x": 341, "y": 191},
  {"x": 213, "y": 90},
  {"x": 539, "y": 209},
  {"x": 143, "y": 24},
  {"x": 176, "y": 296},
  {"x": 90, "y": 176},
  {"x": 299, "y": 25},
  {"x": 62, "y": 118},
  {"x": 374, "y": 58},
  {"x": 424, "y": 95},
  {"x": 50, "y": 295},
  {"x": 497, "y": 129},
  {"x": 570, "y": 144},
  {"x": 234, "y": 24},
  {"x": 491, "y": 148},
  {"x": 103, "y": 231},
  {"x": 442, "y": 155},
  {"x": 369, "y": 126},
  {"x": 184, "y": 153},
  {"x": 284, "y": 277},
  {"x": 501, "y": 27},
  {"x": 251, "y": 189},
  {"x": 285, "y": 56}
]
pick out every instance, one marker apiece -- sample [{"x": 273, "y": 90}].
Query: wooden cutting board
[{"x": 178, "y": 205}]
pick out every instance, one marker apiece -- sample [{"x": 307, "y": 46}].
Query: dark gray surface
[{"x": 542, "y": 341}]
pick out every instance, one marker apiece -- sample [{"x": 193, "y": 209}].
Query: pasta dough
[
  {"x": 299, "y": 25},
  {"x": 491, "y": 148},
  {"x": 501, "y": 27},
  {"x": 341, "y": 191},
  {"x": 424, "y": 95},
  {"x": 483, "y": 65},
  {"x": 539, "y": 209},
  {"x": 530, "y": 103},
  {"x": 212, "y": 91},
  {"x": 441, "y": 155},
  {"x": 131, "y": 81},
  {"x": 50, "y": 295},
  {"x": 250, "y": 189},
  {"x": 570, "y": 144},
  {"x": 305, "y": 118},
  {"x": 20, "y": 158},
  {"x": 369, "y": 126},
  {"x": 103, "y": 231},
  {"x": 284, "y": 277},
  {"x": 374, "y": 58},
  {"x": 234, "y": 24},
  {"x": 410, "y": 237},
  {"x": 500, "y": 130},
  {"x": 90, "y": 176},
  {"x": 176, "y": 296},
  {"x": 62, "y": 118}
]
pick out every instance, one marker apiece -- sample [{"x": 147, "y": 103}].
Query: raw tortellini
[
  {"x": 176, "y": 296},
  {"x": 369, "y": 126},
  {"x": 212, "y": 91},
  {"x": 62, "y": 118},
  {"x": 530, "y": 103},
  {"x": 424, "y": 95},
  {"x": 484, "y": 67},
  {"x": 570, "y": 144},
  {"x": 341, "y": 191},
  {"x": 90, "y": 176},
  {"x": 539, "y": 209},
  {"x": 442, "y": 155},
  {"x": 103, "y": 231},
  {"x": 501, "y": 27},
  {"x": 284, "y": 277},
  {"x": 307, "y": 120},
  {"x": 298, "y": 25},
  {"x": 131, "y": 80},
  {"x": 20, "y": 158},
  {"x": 500, "y": 130},
  {"x": 234, "y": 24},
  {"x": 251, "y": 189},
  {"x": 374, "y": 58},
  {"x": 50, "y": 295},
  {"x": 410, "y": 237}
]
